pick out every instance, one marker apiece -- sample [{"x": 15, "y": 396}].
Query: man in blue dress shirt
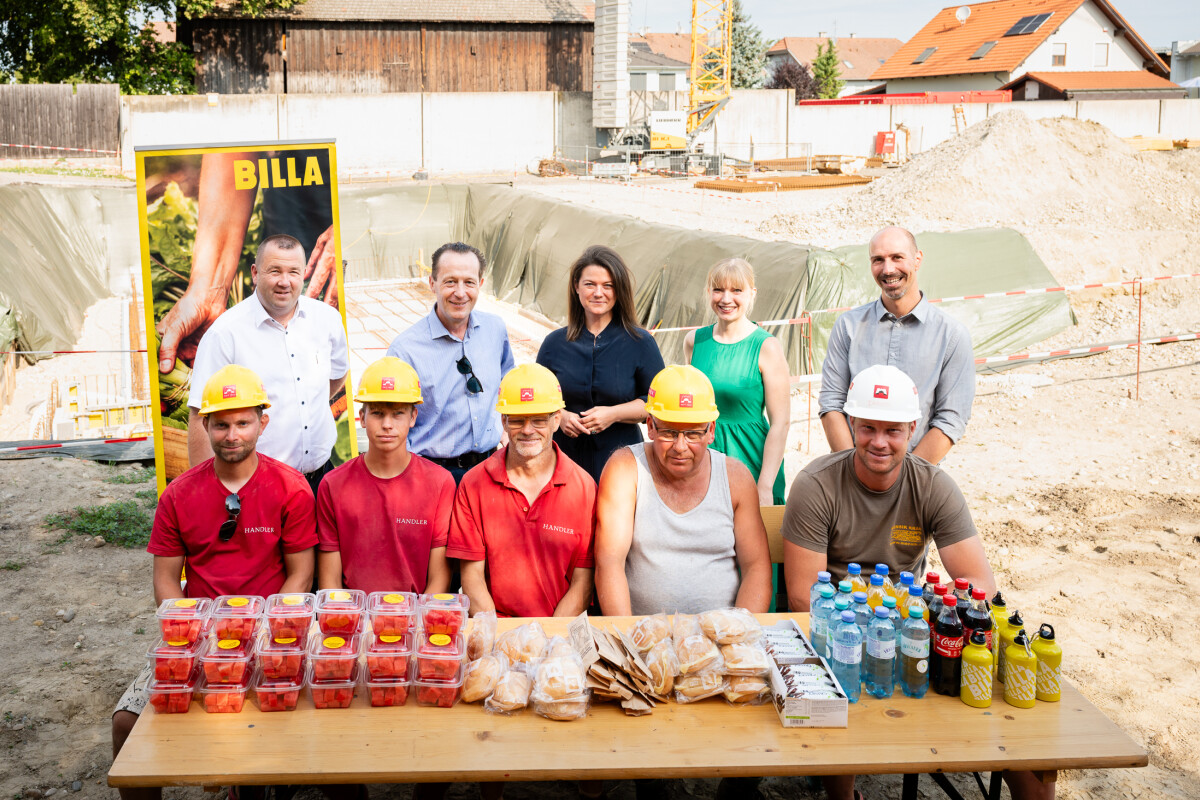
[{"x": 460, "y": 355}]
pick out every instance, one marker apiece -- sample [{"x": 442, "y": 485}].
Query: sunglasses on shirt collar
[
  {"x": 464, "y": 368},
  {"x": 233, "y": 507}
]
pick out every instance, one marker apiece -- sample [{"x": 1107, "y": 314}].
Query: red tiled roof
[
  {"x": 1097, "y": 80},
  {"x": 954, "y": 43},
  {"x": 863, "y": 54}
]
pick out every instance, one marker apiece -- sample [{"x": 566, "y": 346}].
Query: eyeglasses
[
  {"x": 464, "y": 368},
  {"x": 233, "y": 507},
  {"x": 518, "y": 422},
  {"x": 672, "y": 436}
]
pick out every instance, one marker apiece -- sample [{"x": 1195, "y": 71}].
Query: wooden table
[{"x": 416, "y": 744}]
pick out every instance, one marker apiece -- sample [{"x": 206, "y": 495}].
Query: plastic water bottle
[
  {"x": 914, "y": 655},
  {"x": 855, "y": 576},
  {"x": 879, "y": 664},
  {"x": 862, "y": 616},
  {"x": 915, "y": 600},
  {"x": 823, "y": 579},
  {"x": 845, "y": 588},
  {"x": 818, "y": 618},
  {"x": 897, "y": 618},
  {"x": 846, "y": 650},
  {"x": 840, "y": 603}
]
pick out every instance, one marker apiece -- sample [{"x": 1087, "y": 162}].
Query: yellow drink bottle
[
  {"x": 876, "y": 592},
  {"x": 1011, "y": 626},
  {"x": 1049, "y": 664},
  {"x": 976, "y": 682},
  {"x": 999, "y": 616},
  {"x": 854, "y": 574},
  {"x": 1020, "y": 672}
]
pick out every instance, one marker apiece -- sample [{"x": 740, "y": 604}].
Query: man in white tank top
[{"x": 693, "y": 539}]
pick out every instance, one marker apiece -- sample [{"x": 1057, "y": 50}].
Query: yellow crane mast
[{"x": 710, "y": 89}]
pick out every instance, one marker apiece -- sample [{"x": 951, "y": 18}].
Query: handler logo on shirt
[
  {"x": 260, "y": 529},
  {"x": 907, "y": 535},
  {"x": 411, "y": 521},
  {"x": 228, "y": 392},
  {"x": 526, "y": 395},
  {"x": 387, "y": 384},
  {"x": 881, "y": 392},
  {"x": 558, "y": 529},
  {"x": 685, "y": 401}
]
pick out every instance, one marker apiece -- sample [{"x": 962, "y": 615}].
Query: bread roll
[
  {"x": 745, "y": 659},
  {"x": 523, "y": 644},
  {"x": 563, "y": 710},
  {"x": 696, "y": 687},
  {"x": 560, "y": 678},
  {"x": 696, "y": 654},
  {"x": 511, "y": 692},
  {"x": 663, "y": 665},
  {"x": 483, "y": 635},
  {"x": 481, "y": 677},
  {"x": 728, "y": 625},
  {"x": 741, "y": 689},
  {"x": 558, "y": 648},
  {"x": 649, "y": 631}
]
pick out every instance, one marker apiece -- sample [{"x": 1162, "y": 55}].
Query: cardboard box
[{"x": 800, "y": 712}]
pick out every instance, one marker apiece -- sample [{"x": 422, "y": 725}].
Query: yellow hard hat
[
  {"x": 233, "y": 386},
  {"x": 681, "y": 394},
  {"x": 389, "y": 380},
  {"x": 530, "y": 389}
]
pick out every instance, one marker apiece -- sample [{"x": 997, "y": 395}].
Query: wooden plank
[{"x": 414, "y": 744}]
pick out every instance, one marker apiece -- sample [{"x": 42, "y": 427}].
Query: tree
[
  {"x": 748, "y": 51},
  {"x": 790, "y": 75},
  {"x": 76, "y": 41},
  {"x": 826, "y": 69}
]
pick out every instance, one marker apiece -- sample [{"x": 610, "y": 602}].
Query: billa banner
[{"x": 203, "y": 211}]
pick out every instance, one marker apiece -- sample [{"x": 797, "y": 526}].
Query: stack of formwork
[{"x": 610, "y": 70}]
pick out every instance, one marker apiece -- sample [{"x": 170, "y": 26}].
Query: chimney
[
  {"x": 678, "y": 28},
  {"x": 822, "y": 35},
  {"x": 852, "y": 36}
]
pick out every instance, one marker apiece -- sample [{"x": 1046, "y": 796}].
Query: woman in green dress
[{"x": 750, "y": 376}]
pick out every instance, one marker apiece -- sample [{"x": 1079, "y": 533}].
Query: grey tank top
[{"x": 682, "y": 562}]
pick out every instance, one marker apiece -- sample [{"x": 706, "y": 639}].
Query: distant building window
[
  {"x": 1028, "y": 24},
  {"x": 925, "y": 54},
  {"x": 1101, "y": 55},
  {"x": 983, "y": 50},
  {"x": 637, "y": 81},
  {"x": 1058, "y": 58},
  {"x": 666, "y": 81}
]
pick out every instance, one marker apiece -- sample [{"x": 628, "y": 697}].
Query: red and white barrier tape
[
  {"x": 72, "y": 443},
  {"x": 1080, "y": 351},
  {"x": 64, "y": 149}
]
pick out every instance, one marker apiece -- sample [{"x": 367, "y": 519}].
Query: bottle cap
[
  {"x": 998, "y": 599},
  {"x": 977, "y": 637},
  {"x": 877, "y": 579},
  {"x": 940, "y": 589},
  {"x": 961, "y": 584},
  {"x": 841, "y": 604},
  {"x": 860, "y": 597},
  {"x": 1015, "y": 620},
  {"x": 847, "y": 616},
  {"x": 1046, "y": 631},
  {"x": 915, "y": 613},
  {"x": 951, "y": 600},
  {"x": 914, "y": 591},
  {"x": 845, "y": 587},
  {"x": 853, "y": 569},
  {"x": 824, "y": 577},
  {"x": 1020, "y": 638},
  {"x": 889, "y": 602},
  {"x": 906, "y": 578},
  {"x": 826, "y": 592},
  {"x": 881, "y": 612},
  {"x": 933, "y": 577},
  {"x": 978, "y": 594},
  {"x": 881, "y": 569}
]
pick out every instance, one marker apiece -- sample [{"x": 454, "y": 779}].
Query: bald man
[{"x": 901, "y": 329}]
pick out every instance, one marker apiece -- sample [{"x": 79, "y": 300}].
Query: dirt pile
[{"x": 1013, "y": 171}]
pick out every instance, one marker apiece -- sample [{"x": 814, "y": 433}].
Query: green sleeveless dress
[{"x": 742, "y": 426}]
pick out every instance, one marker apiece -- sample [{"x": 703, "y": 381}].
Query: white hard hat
[{"x": 883, "y": 393}]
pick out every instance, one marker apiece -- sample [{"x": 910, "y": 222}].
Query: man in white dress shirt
[{"x": 296, "y": 344}]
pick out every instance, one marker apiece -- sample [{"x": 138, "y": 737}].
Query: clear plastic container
[
  {"x": 276, "y": 694},
  {"x": 332, "y": 693},
  {"x": 173, "y": 697},
  {"x": 237, "y": 616},
  {"x": 439, "y": 657},
  {"x": 339, "y": 611},
  {"x": 392, "y": 613},
  {"x": 439, "y": 693},
  {"x": 223, "y": 698},
  {"x": 289, "y": 616},
  {"x": 388, "y": 692},
  {"x": 333, "y": 658},
  {"x": 175, "y": 661},
  {"x": 228, "y": 661},
  {"x": 444, "y": 613},
  {"x": 183, "y": 619},
  {"x": 388, "y": 657},
  {"x": 280, "y": 658}
]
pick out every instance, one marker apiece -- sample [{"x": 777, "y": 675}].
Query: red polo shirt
[
  {"x": 531, "y": 549},
  {"x": 277, "y": 517},
  {"x": 385, "y": 527}
]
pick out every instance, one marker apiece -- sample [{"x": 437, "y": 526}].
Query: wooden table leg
[{"x": 909, "y": 792}]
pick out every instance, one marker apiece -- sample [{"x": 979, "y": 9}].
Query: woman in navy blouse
[{"x": 603, "y": 360}]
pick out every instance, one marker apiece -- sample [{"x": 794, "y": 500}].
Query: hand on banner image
[
  {"x": 597, "y": 419},
  {"x": 184, "y": 324},
  {"x": 571, "y": 425},
  {"x": 321, "y": 273}
]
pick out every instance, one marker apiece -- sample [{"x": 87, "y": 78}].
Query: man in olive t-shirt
[{"x": 877, "y": 503}]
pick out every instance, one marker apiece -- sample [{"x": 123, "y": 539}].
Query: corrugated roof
[
  {"x": 526, "y": 11},
  {"x": 677, "y": 46},
  {"x": 646, "y": 58},
  {"x": 1194, "y": 50},
  {"x": 864, "y": 55},
  {"x": 1097, "y": 80},
  {"x": 953, "y": 43}
]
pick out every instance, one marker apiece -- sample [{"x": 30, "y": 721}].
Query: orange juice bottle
[
  {"x": 876, "y": 592},
  {"x": 854, "y": 574}
]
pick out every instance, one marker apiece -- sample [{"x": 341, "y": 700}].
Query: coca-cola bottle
[{"x": 945, "y": 660}]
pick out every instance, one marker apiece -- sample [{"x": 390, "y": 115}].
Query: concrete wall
[
  {"x": 377, "y": 131},
  {"x": 752, "y": 116}
]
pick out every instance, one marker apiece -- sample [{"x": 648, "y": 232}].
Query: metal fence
[{"x": 59, "y": 120}]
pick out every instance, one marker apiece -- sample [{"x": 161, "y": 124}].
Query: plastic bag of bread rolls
[
  {"x": 742, "y": 690},
  {"x": 663, "y": 665},
  {"x": 685, "y": 625},
  {"x": 512, "y": 691},
  {"x": 558, "y": 647},
  {"x": 483, "y": 635},
  {"x": 522, "y": 644},
  {"x": 481, "y": 675},
  {"x": 690, "y": 688},
  {"x": 729, "y": 625},
  {"x": 745, "y": 659},
  {"x": 697, "y": 653},
  {"x": 560, "y": 688},
  {"x": 649, "y": 631}
]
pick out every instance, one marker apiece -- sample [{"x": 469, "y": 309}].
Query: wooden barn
[{"x": 377, "y": 46}]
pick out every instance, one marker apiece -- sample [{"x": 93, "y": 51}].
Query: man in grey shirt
[{"x": 901, "y": 329}]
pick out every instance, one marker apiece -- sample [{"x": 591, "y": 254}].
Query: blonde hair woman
[{"x": 750, "y": 376}]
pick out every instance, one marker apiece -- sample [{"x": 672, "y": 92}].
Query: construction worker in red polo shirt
[
  {"x": 383, "y": 517},
  {"x": 242, "y": 522},
  {"x": 522, "y": 522}
]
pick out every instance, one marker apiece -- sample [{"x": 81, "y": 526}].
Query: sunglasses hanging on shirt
[
  {"x": 233, "y": 507},
  {"x": 464, "y": 368}
]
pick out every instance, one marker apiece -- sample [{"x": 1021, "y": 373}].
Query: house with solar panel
[{"x": 1038, "y": 49}]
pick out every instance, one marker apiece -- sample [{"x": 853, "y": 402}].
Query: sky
[{"x": 1158, "y": 21}]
